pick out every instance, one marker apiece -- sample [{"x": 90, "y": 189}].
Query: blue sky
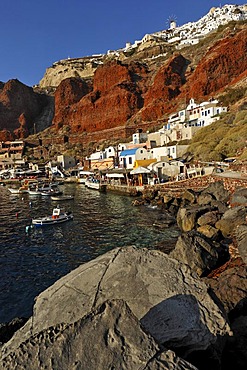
[{"x": 37, "y": 33}]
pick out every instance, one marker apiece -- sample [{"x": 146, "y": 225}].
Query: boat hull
[
  {"x": 62, "y": 197},
  {"x": 49, "y": 221}
]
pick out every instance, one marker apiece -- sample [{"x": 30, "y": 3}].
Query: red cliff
[{"x": 19, "y": 107}]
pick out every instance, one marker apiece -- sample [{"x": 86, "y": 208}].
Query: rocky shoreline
[{"x": 145, "y": 309}]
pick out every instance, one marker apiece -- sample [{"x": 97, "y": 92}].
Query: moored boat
[
  {"x": 62, "y": 197},
  {"x": 58, "y": 216},
  {"x": 82, "y": 176},
  {"x": 14, "y": 190},
  {"x": 44, "y": 189},
  {"x": 95, "y": 184}
]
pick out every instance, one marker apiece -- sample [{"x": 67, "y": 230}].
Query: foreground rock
[
  {"x": 241, "y": 240},
  {"x": 199, "y": 252},
  {"x": 109, "y": 337},
  {"x": 171, "y": 302}
]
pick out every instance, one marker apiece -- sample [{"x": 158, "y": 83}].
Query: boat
[
  {"x": 22, "y": 189},
  {"x": 58, "y": 216},
  {"x": 46, "y": 189},
  {"x": 95, "y": 184},
  {"x": 82, "y": 176},
  {"x": 62, "y": 197},
  {"x": 14, "y": 190},
  {"x": 51, "y": 192}
]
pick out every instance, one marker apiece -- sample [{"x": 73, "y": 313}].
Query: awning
[
  {"x": 115, "y": 175},
  {"x": 139, "y": 170}
]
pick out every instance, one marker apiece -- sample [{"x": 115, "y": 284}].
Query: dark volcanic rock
[
  {"x": 231, "y": 287},
  {"x": 232, "y": 218},
  {"x": 217, "y": 191},
  {"x": 187, "y": 217},
  {"x": 235, "y": 352},
  {"x": 199, "y": 252},
  {"x": 241, "y": 239}
]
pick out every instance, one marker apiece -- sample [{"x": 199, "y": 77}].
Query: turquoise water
[{"x": 29, "y": 263}]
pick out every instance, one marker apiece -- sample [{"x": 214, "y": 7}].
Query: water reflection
[{"x": 30, "y": 263}]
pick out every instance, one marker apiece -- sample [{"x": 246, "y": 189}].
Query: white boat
[
  {"x": 92, "y": 183},
  {"x": 58, "y": 216},
  {"x": 14, "y": 190},
  {"x": 51, "y": 192},
  {"x": 95, "y": 184},
  {"x": 62, "y": 197},
  {"x": 82, "y": 176},
  {"x": 22, "y": 189},
  {"x": 46, "y": 189}
]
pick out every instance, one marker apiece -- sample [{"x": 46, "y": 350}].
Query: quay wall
[{"x": 176, "y": 188}]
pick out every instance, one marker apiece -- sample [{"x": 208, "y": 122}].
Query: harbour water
[{"x": 29, "y": 263}]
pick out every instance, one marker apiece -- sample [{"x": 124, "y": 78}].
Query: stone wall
[{"x": 176, "y": 188}]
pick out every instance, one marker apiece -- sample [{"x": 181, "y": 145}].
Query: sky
[{"x": 37, "y": 33}]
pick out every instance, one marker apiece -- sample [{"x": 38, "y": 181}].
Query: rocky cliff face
[
  {"x": 137, "y": 92},
  {"x": 70, "y": 68},
  {"x": 115, "y": 97},
  {"x": 222, "y": 65},
  {"x": 20, "y": 106}
]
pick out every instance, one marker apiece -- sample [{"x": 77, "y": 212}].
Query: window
[
  {"x": 141, "y": 151},
  {"x": 130, "y": 160}
]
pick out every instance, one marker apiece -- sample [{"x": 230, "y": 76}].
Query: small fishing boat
[
  {"x": 95, "y": 184},
  {"x": 51, "y": 192},
  {"x": 14, "y": 190},
  {"x": 62, "y": 197},
  {"x": 82, "y": 176},
  {"x": 58, "y": 216}
]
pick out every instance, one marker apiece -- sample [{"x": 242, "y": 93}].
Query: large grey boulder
[
  {"x": 231, "y": 287},
  {"x": 217, "y": 190},
  {"x": 168, "y": 298},
  {"x": 232, "y": 218},
  {"x": 241, "y": 239},
  {"x": 199, "y": 252},
  {"x": 110, "y": 337},
  {"x": 187, "y": 217},
  {"x": 239, "y": 197}
]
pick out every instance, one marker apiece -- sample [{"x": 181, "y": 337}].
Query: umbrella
[{"x": 139, "y": 170}]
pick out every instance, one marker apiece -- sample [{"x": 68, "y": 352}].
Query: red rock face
[
  {"x": 115, "y": 98},
  {"x": 166, "y": 87},
  {"x": 223, "y": 63},
  {"x": 126, "y": 95},
  {"x": 19, "y": 106}
]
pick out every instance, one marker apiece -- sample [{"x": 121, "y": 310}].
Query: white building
[
  {"x": 128, "y": 157},
  {"x": 183, "y": 124}
]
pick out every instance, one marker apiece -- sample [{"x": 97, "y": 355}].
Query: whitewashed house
[
  {"x": 128, "y": 157},
  {"x": 183, "y": 124},
  {"x": 139, "y": 137},
  {"x": 110, "y": 152},
  {"x": 168, "y": 169}
]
